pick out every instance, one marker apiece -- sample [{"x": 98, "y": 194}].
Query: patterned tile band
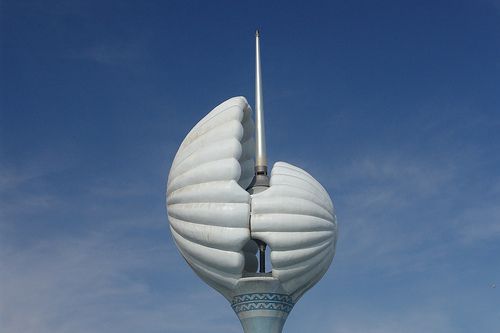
[{"x": 262, "y": 301}]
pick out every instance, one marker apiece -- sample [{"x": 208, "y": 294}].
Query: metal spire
[
  {"x": 261, "y": 180},
  {"x": 260, "y": 135}
]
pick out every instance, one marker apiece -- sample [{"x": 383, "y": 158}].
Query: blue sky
[{"x": 393, "y": 105}]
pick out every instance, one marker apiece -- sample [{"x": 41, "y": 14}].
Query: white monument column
[{"x": 225, "y": 210}]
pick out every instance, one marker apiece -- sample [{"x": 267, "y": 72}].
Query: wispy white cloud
[
  {"x": 23, "y": 190},
  {"x": 393, "y": 179},
  {"x": 480, "y": 223},
  {"x": 107, "y": 54},
  {"x": 112, "y": 53},
  {"x": 98, "y": 283},
  {"x": 413, "y": 320},
  {"x": 404, "y": 213},
  {"x": 121, "y": 275},
  {"x": 376, "y": 194},
  {"x": 374, "y": 316},
  {"x": 39, "y": 165}
]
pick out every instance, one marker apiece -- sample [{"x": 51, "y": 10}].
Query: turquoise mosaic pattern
[{"x": 262, "y": 301}]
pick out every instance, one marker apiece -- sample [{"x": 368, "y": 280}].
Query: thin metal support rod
[
  {"x": 260, "y": 135},
  {"x": 262, "y": 261}
]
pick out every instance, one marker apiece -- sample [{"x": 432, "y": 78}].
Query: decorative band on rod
[{"x": 262, "y": 301}]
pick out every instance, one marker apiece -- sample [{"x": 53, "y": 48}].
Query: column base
[{"x": 261, "y": 305}]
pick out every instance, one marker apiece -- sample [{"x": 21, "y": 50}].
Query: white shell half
[
  {"x": 208, "y": 207},
  {"x": 213, "y": 218},
  {"x": 296, "y": 218}
]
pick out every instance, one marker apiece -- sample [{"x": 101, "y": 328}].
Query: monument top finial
[
  {"x": 260, "y": 148},
  {"x": 261, "y": 180}
]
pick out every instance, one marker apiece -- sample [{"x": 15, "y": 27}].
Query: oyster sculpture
[{"x": 225, "y": 210}]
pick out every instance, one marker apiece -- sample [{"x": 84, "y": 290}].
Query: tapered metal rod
[
  {"x": 262, "y": 255},
  {"x": 261, "y": 180},
  {"x": 262, "y": 268},
  {"x": 260, "y": 135}
]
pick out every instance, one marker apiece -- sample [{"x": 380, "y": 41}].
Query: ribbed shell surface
[
  {"x": 296, "y": 218},
  {"x": 208, "y": 207}
]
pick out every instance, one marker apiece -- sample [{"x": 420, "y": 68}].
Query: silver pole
[
  {"x": 261, "y": 180},
  {"x": 260, "y": 135}
]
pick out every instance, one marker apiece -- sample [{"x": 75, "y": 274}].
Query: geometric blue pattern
[{"x": 262, "y": 301}]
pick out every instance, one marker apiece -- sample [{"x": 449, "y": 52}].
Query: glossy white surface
[
  {"x": 212, "y": 216},
  {"x": 295, "y": 217},
  {"x": 208, "y": 207}
]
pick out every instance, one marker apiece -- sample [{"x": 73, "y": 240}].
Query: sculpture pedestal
[{"x": 261, "y": 304}]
